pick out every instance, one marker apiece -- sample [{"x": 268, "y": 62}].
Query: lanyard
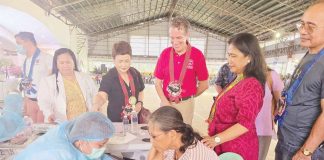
[
  {"x": 238, "y": 78},
  {"x": 131, "y": 83},
  {"x": 184, "y": 65},
  {"x": 31, "y": 69},
  {"x": 296, "y": 82}
]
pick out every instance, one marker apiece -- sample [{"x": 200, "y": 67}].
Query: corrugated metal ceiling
[{"x": 222, "y": 17}]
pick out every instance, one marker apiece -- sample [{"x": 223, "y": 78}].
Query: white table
[{"x": 135, "y": 149}]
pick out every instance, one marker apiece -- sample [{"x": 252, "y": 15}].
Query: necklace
[
  {"x": 238, "y": 78},
  {"x": 236, "y": 81}
]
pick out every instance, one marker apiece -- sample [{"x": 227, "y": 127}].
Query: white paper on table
[
  {"x": 117, "y": 139},
  {"x": 42, "y": 128}
]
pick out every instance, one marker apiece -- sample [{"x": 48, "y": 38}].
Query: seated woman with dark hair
[{"x": 172, "y": 139}]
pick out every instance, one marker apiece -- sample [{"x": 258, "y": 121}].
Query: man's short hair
[
  {"x": 121, "y": 48},
  {"x": 180, "y": 23},
  {"x": 26, "y": 36}
]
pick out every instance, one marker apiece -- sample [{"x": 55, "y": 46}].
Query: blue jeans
[{"x": 286, "y": 152}]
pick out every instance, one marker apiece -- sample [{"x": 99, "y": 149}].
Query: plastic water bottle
[
  {"x": 134, "y": 122},
  {"x": 125, "y": 125}
]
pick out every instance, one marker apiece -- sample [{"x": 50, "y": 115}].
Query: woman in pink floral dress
[{"x": 232, "y": 117}]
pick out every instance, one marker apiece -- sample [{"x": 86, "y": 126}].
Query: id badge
[
  {"x": 174, "y": 89},
  {"x": 282, "y": 103},
  {"x": 132, "y": 100},
  {"x": 281, "y": 106},
  {"x": 26, "y": 84}
]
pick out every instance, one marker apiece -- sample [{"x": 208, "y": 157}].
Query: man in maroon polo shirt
[{"x": 178, "y": 69}]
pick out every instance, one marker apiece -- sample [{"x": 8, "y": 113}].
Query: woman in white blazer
[{"x": 66, "y": 93}]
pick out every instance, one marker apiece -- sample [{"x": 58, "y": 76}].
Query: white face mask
[
  {"x": 20, "y": 49},
  {"x": 96, "y": 153}
]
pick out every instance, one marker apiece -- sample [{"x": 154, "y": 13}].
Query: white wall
[
  {"x": 65, "y": 35},
  {"x": 150, "y": 41},
  {"x": 58, "y": 28}
]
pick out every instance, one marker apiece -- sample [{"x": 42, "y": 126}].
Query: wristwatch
[
  {"x": 217, "y": 140},
  {"x": 306, "y": 152}
]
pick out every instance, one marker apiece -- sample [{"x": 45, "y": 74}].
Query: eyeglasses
[{"x": 310, "y": 28}]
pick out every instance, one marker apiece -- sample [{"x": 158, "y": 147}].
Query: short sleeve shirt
[
  {"x": 116, "y": 100},
  {"x": 306, "y": 104},
  {"x": 196, "y": 70}
]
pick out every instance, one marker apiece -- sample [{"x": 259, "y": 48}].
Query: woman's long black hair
[
  {"x": 168, "y": 118},
  {"x": 58, "y": 53}
]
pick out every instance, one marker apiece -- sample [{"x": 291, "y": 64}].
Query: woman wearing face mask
[
  {"x": 83, "y": 138},
  {"x": 232, "y": 118},
  {"x": 67, "y": 93},
  {"x": 121, "y": 85}
]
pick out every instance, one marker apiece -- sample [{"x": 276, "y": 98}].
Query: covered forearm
[
  {"x": 202, "y": 86},
  {"x": 46, "y": 101},
  {"x": 232, "y": 133}
]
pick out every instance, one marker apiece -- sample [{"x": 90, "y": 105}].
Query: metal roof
[{"x": 221, "y": 17}]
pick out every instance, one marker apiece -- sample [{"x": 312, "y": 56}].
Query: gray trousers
[
  {"x": 286, "y": 152},
  {"x": 264, "y": 144}
]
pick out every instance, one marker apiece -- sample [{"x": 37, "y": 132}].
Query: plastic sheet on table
[{"x": 121, "y": 139}]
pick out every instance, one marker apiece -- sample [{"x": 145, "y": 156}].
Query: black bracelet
[{"x": 140, "y": 102}]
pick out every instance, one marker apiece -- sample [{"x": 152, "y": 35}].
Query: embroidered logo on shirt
[{"x": 190, "y": 64}]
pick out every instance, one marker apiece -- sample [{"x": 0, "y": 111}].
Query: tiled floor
[{"x": 203, "y": 104}]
